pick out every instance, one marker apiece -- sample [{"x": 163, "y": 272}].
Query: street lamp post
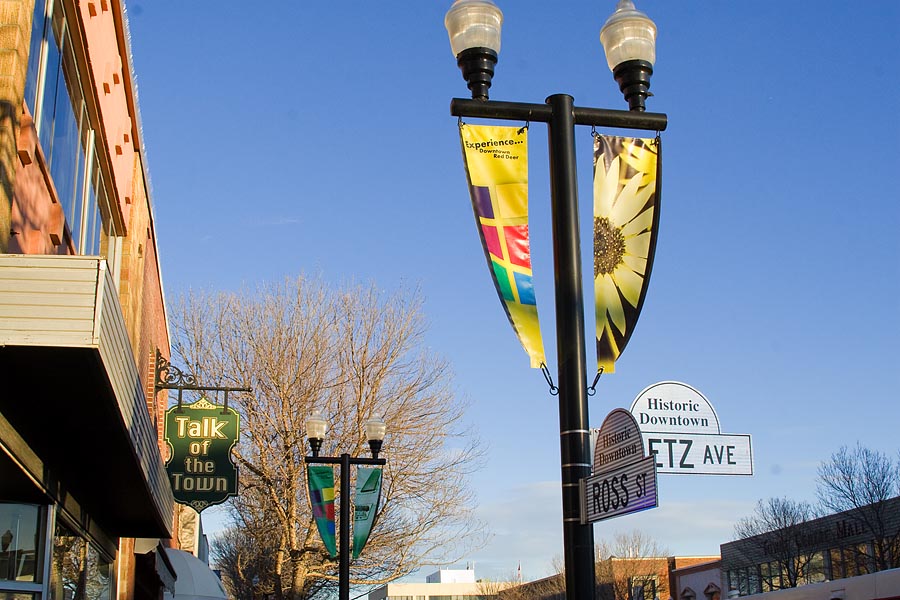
[
  {"x": 628, "y": 38},
  {"x": 316, "y": 428}
]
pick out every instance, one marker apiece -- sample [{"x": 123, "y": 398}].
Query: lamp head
[
  {"x": 474, "y": 30},
  {"x": 629, "y": 41},
  {"x": 316, "y": 428},
  {"x": 375, "y": 430}
]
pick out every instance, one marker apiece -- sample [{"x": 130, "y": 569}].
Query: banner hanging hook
[
  {"x": 593, "y": 389},
  {"x": 554, "y": 391}
]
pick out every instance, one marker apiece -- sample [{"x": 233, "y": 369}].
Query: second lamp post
[{"x": 316, "y": 428}]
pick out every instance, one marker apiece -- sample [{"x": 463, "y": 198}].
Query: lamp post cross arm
[
  {"x": 543, "y": 113},
  {"x": 337, "y": 460}
]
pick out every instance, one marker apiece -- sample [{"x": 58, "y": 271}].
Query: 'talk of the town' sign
[{"x": 200, "y": 438}]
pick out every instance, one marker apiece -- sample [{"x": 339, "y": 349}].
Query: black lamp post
[
  {"x": 316, "y": 428},
  {"x": 628, "y": 38}
]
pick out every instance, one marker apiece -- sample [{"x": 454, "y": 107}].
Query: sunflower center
[{"x": 609, "y": 246}]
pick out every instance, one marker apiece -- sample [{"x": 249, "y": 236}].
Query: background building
[
  {"x": 838, "y": 546},
  {"x": 702, "y": 581},
  {"x": 85, "y": 503},
  {"x": 618, "y": 578},
  {"x": 445, "y": 584}
]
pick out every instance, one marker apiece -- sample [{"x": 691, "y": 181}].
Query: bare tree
[
  {"x": 860, "y": 481},
  {"x": 630, "y": 563},
  {"x": 350, "y": 352},
  {"x": 488, "y": 588},
  {"x": 548, "y": 588},
  {"x": 775, "y": 532}
]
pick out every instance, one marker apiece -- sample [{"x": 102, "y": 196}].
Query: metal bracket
[{"x": 170, "y": 377}]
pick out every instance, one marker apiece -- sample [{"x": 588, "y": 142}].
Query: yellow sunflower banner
[
  {"x": 626, "y": 216},
  {"x": 497, "y": 168}
]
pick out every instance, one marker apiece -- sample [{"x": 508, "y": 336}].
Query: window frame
[{"x": 91, "y": 194}]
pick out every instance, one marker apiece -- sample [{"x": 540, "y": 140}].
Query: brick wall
[{"x": 15, "y": 34}]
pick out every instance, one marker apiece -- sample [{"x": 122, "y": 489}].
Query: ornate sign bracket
[{"x": 170, "y": 377}]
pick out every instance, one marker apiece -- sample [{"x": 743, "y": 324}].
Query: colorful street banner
[
  {"x": 497, "y": 168},
  {"x": 321, "y": 498},
  {"x": 368, "y": 494},
  {"x": 201, "y": 469},
  {"x": 626, "y": 219}
]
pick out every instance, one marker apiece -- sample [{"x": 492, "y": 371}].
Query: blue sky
[{"x": 302, "y": 137}]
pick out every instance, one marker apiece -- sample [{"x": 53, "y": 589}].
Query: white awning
[{"x": 195, "y": 581}]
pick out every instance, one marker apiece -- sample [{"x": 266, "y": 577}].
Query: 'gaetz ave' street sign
[
  {"x": 200, "y": 437},
  {"x": 624, "y": 479},
  {"x": 681, "y": 429}
]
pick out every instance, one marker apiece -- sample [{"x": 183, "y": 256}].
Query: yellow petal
[
  {"x": 605, "y": 184},
  {"x": 642, "y": 222},
  {"x": 638, "y": 245},
  {"x": 629, "y": 283},
  {"x": 608, "y": 303},
  {"x": 636, "y": 264},
  {"x": 628, "y": 205}
]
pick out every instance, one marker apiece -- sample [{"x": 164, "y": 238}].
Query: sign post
[{"x": 624, "y": 479}]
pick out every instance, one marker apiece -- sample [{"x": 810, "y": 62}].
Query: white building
[{"x": 445, "y": 584}]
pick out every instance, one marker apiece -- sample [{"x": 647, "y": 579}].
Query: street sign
[
  {"x": 624, "y": 479},
  {"x": 681, "y": 429},
  {"x": 625, "y": 490},
  {"x": 701, "y": 454}
]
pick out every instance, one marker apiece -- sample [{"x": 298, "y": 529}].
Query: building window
[
  {"x": 643, "y": 588},
  {"x": 54, "y": 95},
  {"x": 78, "y": 570},
  {"x": 815, "y": 568},
  {"x": 19, "y": 542},
  {"x": 34, "y": 53}
]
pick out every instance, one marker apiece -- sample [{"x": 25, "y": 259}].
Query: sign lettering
[
  {"x": 681, "y": 429},
  {"x": 624, "y": 479}
]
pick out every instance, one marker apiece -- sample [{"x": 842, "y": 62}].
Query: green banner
[
  {"x": 200, "y": 438},
  {"x": 368, "y": 493},
  {"x": 321, "y": 499}
]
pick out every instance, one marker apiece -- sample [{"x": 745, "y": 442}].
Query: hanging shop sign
[
  {"x": 681, "y": 429},
  {"x": 624, "y": 479},
  {"x": 200, "y": 467}
]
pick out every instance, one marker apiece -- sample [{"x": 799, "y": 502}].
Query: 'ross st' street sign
[{"x": 624, "y": 479}]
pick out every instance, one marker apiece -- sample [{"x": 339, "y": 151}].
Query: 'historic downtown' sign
[
  {"x": 200, "y": 438},
  {"x": 681, "y": 429}
]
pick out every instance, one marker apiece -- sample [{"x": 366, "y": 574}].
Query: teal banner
[
  {"x": 368, "y": 494},
  {"x": 321, "y": 499}
]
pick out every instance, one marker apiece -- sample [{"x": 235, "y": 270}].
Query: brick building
[
  {"x": 85, "y": 504},
  {"x": 618, "y": 578}
]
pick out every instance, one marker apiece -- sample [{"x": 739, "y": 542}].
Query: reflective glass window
[
  {"x": 19, "y": 542},
  {"x": 34, "y": 53},
  {"x": 78, "y": 571}
]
